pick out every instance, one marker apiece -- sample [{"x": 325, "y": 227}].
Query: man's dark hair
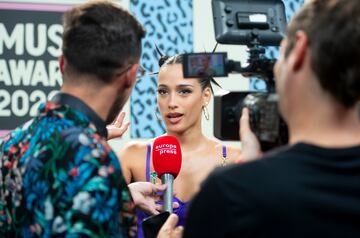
[
  {"x": 333, "y": 29},
  {"x": 99, "y": 38}
]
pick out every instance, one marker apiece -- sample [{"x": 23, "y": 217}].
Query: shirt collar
[{"x": 76, "y": 103}]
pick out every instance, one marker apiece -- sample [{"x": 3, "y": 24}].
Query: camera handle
[{"x": 258, "y": 65}]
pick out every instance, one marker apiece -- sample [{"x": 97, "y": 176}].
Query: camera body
[
  {"x": 254, "y": 23},
  {"x": 265, "y": 121}
]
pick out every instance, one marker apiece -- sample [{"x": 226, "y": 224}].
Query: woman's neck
[{"x": 189, "y": 139}]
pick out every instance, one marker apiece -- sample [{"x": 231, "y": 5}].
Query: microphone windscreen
[{"x": 166, "y": 155}]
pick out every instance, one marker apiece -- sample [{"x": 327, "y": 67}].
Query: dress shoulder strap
[
  {"x": 224, "y": 155},
  {"x": 148, "y": 153}
]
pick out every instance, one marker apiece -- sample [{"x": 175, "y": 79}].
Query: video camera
[{"x": 254, "y": 23}]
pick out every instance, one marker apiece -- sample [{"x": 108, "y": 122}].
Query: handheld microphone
[{"x": 166, "y": 157}]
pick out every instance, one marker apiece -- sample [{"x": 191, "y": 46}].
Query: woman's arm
[{"x": 127, "y": 156}]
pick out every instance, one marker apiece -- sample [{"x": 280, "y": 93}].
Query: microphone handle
[{"x": 168, "y": 179}]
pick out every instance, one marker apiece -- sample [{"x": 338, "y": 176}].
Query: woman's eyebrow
[
  {"x": 162, "y": 86},
  {"x": 185, "y": 85},
  {"x": 178, "y": 86}
]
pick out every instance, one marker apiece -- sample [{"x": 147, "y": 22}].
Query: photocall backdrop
[
  {"x": 30, "y": 44},
  {"x": 168, "y": 25}
]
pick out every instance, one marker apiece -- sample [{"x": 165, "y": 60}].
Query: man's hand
[
  {"x": 117, "y": 128},
  {"x": 250, "y": 146},
  {"x": 145, "y": 196},
  {"x": 169, "y": 229}
]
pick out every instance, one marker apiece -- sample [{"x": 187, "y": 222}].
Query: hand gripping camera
[{"x": 254, "y": 23}]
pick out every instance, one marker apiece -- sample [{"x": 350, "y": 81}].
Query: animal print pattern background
[
  {"x": 168, "y": 25},
  {"x": 291, "y": 6}
]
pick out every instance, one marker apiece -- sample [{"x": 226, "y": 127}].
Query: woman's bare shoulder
[
  {"x": 232, "y": 152},
  {"x": 133, "y": 149}
]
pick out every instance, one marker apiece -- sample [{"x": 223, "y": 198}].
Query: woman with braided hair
[{"x": 181, "y": 102}]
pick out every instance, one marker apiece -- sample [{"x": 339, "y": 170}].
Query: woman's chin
[{"x": 175, "y": 128}]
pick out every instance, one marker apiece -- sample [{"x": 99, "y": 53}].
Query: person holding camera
[
  {"x": 310, "y": 187},
  {"x": 58, "y": 175},
  {"x": 182, "y": 102}
]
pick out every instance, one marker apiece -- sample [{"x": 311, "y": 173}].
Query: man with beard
[{"x": 58, "y": 175}]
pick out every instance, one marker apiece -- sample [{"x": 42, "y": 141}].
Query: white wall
[{"x": 204, "y": 39}]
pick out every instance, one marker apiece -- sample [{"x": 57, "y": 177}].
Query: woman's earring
[
  {"x": 156, "y": 114},
  {"x": 206, "y": 112}
]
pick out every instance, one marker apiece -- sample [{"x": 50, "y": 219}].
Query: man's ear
[
  {"x": 62, "y": 63},
  {"x": 300, "y": 50},
  {"x": 131, "y": 75},
  {"x": 128, "y": 78}
]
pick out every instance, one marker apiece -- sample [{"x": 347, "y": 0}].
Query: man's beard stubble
[{"x": 115, "y": 109}]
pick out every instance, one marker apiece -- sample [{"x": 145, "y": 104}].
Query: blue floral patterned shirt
[{"x": 60, "y": 178}]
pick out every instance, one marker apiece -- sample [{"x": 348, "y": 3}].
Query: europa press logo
[
  {"x": 166, "y": 155},
  {"x": 166, "y": 149}
]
